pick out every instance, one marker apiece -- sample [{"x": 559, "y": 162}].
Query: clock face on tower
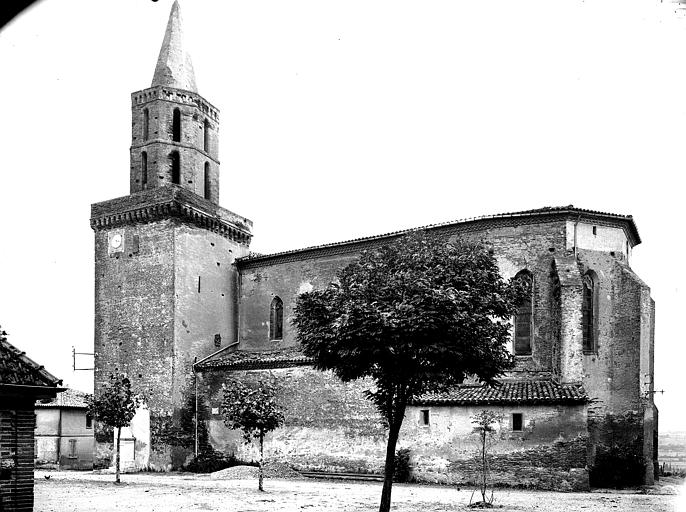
[{"x": 115, "y": 242}]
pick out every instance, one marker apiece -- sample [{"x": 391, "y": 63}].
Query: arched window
[
  {"x": 144, "y": 170},
  {"x": 175, "y": 164},
  {"x": 176, "y": 126},
  {"x": 523, "y": 320},
  {"x": 588, "y": 305},
  {"x": 207, "y": 180},
  {"x": 146, "y": 124},
  {"x": 276, "y": 319},
  {"x": 206, "y": 136}
]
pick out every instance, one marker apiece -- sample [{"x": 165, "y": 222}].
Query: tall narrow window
[
  {"x": 207, "y": 180},
  {"x": 144, "y": 170},
  {"x": 588, "y": 300},
  {"x": 524, "y": 315},
  {"x": 175, "y": 164},
  {"x": 146, "y": 124},
  {"x": 276, "y": 319},
  {"x": 206, "y": 136},
  {"x": 176, "y": 126}
]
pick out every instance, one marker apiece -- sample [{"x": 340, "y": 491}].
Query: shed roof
[
  {"x": 69, "y": 398},
  {"x": 16, "y": 369},
  {"x": 509, "y": 392}
]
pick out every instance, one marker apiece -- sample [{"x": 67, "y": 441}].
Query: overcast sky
[{"x": 342, "y": 119}]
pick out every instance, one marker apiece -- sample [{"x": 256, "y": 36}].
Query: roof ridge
[{"x": 524, "y": 213}]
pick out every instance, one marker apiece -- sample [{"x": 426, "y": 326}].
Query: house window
[
  {"x": 424, "y": 417},
  {"x": 144, "y": 170},
  {"x": 176, "y": 125},
  {"x": 146, "y": 124},
  {"x": 175, "y": 164},
  {"x": 276, "y": 319},
  {"x": 217, "y": 340},
  {"x": 588, "y": 305},
  {"x": 72, "y": 449},
  {"x": 517, "y": 422},
  {"x": 524, "y": 316},
  {"x": 207, "y": 180},
  {"x": 89, "y": 421}
]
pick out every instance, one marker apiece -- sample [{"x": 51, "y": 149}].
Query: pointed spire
[{"x": 174, "y": 67}]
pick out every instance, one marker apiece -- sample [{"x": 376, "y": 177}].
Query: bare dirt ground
[{"x": 85, "y": 491}]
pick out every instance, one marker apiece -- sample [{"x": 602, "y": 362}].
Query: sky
[{"x": 341, "y": 119}]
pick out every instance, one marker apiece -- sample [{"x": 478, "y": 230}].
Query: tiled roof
[
  {"x": 569, "y": 210},
  {"x": 509, "y": 392},
  {"x": 255, "y": 360},
  {"x": 17, "y": 369},
  {"x": 70, "y": 398}
]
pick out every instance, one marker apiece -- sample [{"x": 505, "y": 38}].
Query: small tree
[
  {"x": 483, "y": 427},
  {"x": 115, "y": 406},
  {"x": 254, "y": 410},
  {"x": 415, "y": 315}
]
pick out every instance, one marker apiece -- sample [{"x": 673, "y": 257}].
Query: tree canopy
[
  {"x": 416, "y": 315},
  {"x": 254, "y": 410},
  {"x": 115, "y": 406}
]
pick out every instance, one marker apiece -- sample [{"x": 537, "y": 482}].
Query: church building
[{"x": 183, "y": 307}]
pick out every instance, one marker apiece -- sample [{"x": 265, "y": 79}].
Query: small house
[{"x": 64, "y": 432}]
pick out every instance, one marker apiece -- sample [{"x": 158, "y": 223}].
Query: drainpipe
[
  {"x": 195, "y": 379},
  {"x": 59, "y": 437},
  {"x": 576, "y": 222}
]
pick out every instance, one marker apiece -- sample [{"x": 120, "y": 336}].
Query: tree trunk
[
  {"x": 116, "y": 462},
  {"x": 260, "y": 473},
  {"x": 393, "y": 433},
  {"x": 483, "y": 466}
]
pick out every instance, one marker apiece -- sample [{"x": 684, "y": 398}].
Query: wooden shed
[{"x": 22, "y": 382}]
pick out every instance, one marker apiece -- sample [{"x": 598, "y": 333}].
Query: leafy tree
[
  {"x": 115, "y": 407},
  {"x": 416, "y": 316},
  {"x": 483, "y": 427},
  {"x": 254, "y": 410}
]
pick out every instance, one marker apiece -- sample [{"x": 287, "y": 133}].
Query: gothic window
[
  {"x": 276, "y": 319},
  {"x": 146, "y": 124},
  {"x": 176, "y": 126},
  {"x": 588, "y": 303},
  {"x": 144, "y": 170},
  {"x": 206, "y": 136},
  {"x": 207, "y": 180},
  {"x": 524, "y": 316},
  {"x": 175, "y": 164}
]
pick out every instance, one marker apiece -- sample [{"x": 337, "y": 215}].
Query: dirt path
[{"x": 68, "y": 491}]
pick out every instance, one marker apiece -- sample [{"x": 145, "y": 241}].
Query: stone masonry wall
[
  {"x": 530, "y": 246},
  {"x": 330, "y": 426},
  {"x": 549, "y": 452}
]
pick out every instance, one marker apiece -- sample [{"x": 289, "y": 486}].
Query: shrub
[
  {"x": 211, "y": 461},
  {"x": 402, "y": 471},
  {"x": 617, "y": 467}
]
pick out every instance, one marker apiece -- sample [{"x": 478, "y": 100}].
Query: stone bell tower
[
  {"x": 165, "y": 283},
  {"x": 174, "y": 129}
]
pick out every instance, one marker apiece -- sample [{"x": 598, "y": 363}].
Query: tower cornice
[
  {"x": 173, "y": 95},
  {"x": 170, "y": 202}
]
